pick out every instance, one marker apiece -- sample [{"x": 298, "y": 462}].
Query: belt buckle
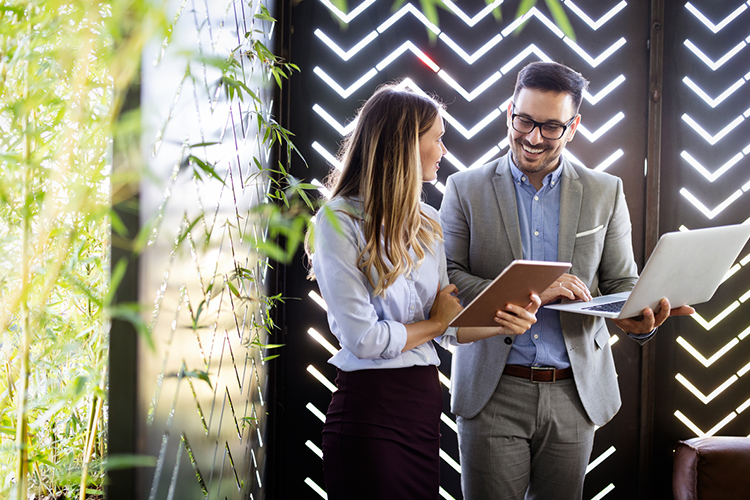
[{"x": 542, "y": 369}]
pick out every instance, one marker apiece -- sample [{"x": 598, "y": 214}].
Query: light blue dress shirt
[
  {"x": 539, "y": 220},
  {"x": 369, "y": 328}
]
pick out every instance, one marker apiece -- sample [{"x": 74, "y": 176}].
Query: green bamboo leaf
[
  {"x": 561, "y": 19},
  {"x": 121, "y": 461}
]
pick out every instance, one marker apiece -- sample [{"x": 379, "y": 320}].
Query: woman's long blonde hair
[{"x": 382, "y": 168}]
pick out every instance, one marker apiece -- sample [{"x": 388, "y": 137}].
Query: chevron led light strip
[
  {"x": 471, "y": 21},
  {"x": 718, "y": 354},
  {"x": 410, "y": 9},
  {"x": 710, "y": 214},
  {"x": 347, "y": 18},
  {"x": 713, "y": 139},
  {"x": 698, "y": 394},
  {"x": 715, "y": 28},
  {"x": 698, "y": 432},
  {"x": 718, "y": 64},
  {"x": 595, "y": 25},
  {"x": 721, "y": 171},
  {"x": 715, "y": 102},
  {"x": 593, "y": 136}
]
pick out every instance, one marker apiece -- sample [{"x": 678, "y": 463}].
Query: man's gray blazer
[{"x": 482, "y": 236}]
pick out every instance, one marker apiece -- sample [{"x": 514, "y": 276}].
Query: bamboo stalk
[
  {"x": 22, "y": 423},
  {"x": 90, "y": 438}
]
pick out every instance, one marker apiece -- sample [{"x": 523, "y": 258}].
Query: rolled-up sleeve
[{"x": 351, "y": 313}]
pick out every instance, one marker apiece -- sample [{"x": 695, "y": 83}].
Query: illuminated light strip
[
  {"x": 698, "y": 432},
  {"x": 594, "y": 62},
  {"x": 593, "y": 136},
  {"x": 473, "y": 20},
  {"x": 445, "y": 494},
  {"x": 744, "y": 406},
  {"x": 603, "y": 92},
  {"x": 338, "y": 88},
  {"x": 403, "y": 48},
  {"x": 595, "y": 25},
  {"x": 715, "y": 27},
  {"x": 601, "y": 458},
  {"x": 319, "y": 414},
  {"x": 698, "y": 394},
  {"x": 714, "y": 65},
  {"x": 444, "y": 380},
  {"x": 321, "y": 378},
  {"x": 455, "y": 162},
  {"x": 504, "y": 143},
  {"x": 707, "y": 362},
  {"x": 318, "y": 300},
  {"x": 713, "y": 102},
  {"x": 477, "y": 91},
  {"x": 614, "y": 338},
  {"x": 322, "y": 341},
  {"x": 745, "y": 296},
  {"x": 317, "y": 489},
  {"x": 609, "y": 161},
  {"x": 730, "y": 273},
  {"x": 349, "y": 53},
  {"x": 314, "y": 448},
  {"x": 323, "y": 190},
  {"x": 533, "y": 12},
  {"x": 351, "y": 15},
  {"x": 700, "y": 168},
  {"x": 711, "y": 213},
  {"x": 449, "y": 460},
  {"x": 476, "y": 128},
  {"x": 408, "y": 9},
  {"x": 710, "y": 324},
  {"x": 572, "y": 158},
  {"x": 471, "y": 59},
  {"x": 744, "y": 370},
  {"x": 332, "y": 121},
  {"x": 328, "y": 156},
  {"x": 531, "y": 49},
  {"x": 450, "y": 423},
  {"x": 604, "y": 492},
  {"x": 745, "y": 260},
  {"x": 439, "y": 186},
  {"x": 486, "y": 157}
]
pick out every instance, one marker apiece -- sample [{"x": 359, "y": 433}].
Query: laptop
[{"x": 686, "y": 267}]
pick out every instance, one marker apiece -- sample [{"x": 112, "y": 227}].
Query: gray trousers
[{"x": 531, "y": 441}]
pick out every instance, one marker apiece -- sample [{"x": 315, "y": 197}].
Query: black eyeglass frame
[{"x": 540, "y": 125}]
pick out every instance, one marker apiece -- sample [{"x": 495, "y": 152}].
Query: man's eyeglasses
[{"x": 549, "y": 130}]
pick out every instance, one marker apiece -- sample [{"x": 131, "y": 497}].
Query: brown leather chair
[{"x": 712, "y": 468}]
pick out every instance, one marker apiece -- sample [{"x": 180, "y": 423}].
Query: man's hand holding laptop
[
  {"x": 571, "y": 287},
  {"x": 648, "y": 321}
]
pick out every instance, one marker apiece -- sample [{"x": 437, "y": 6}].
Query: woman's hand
[
  {"x": 514, "y": 320},
  {"x": 446, "y": 306}
]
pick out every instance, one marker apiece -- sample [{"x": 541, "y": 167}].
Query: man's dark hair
[{"x": 552, "y": 77}]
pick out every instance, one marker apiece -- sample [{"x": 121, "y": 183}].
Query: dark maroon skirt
[{"x": 381, "y": 438}]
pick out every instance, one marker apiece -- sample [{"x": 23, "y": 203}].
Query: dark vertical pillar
[
  {"x": 653, "y": 176},
  {"x": 123, "y": 337}
]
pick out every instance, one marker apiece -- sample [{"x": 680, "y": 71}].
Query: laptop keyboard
[{"x": 610, "y": 307}]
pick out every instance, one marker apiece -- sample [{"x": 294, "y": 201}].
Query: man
[{"x": 527, "y": 406}]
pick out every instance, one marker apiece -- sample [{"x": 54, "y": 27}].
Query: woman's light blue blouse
[{"x": 371, "y": 329}]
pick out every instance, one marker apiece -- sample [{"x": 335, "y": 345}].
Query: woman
[{"x": 379, "y": 261}]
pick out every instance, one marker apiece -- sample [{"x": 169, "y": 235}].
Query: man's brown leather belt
[{"x": 538, "y": 373}]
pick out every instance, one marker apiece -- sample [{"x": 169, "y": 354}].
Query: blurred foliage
[{"x": 66, "y": 67}]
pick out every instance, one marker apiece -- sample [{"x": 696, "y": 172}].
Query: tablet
[{"x": 512, "y": 286}]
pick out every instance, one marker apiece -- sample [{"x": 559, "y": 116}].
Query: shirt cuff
[
  {"x": 448, "y": 338},
  {"x": 642, "y": 337},
  {"x": 397, "y": 341}
]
